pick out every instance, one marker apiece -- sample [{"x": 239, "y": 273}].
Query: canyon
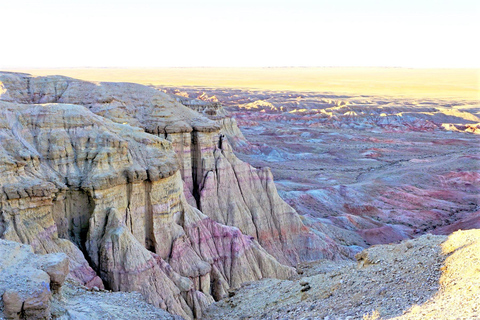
[
  {"x": 141, "y": 193},
  {"x": 156, "y": 190}
]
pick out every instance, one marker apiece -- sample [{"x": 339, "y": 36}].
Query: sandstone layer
[{"x": 28, "y": 281}]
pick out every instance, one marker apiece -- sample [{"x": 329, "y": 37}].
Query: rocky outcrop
[
  {"x": 33, "y": 286},
  {"x": 197, "y": 143},
  {"x": 140, "y": 190},
  {"x": 28, "y": 281}
]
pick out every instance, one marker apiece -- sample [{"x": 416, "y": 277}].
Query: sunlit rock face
[{"x": 141, "y": 193}]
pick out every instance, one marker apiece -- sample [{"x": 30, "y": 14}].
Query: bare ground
[{"x": 432, "y": 277}]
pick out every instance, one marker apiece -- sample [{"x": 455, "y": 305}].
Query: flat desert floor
[
  {"x": 377, "y": 168},
  {"x": 461, "y": 84}
]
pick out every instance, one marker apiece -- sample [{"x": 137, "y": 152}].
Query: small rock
[{"x": 306, "y": 288}]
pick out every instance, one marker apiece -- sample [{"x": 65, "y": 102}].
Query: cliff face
[{"x": 95, "y": 171}]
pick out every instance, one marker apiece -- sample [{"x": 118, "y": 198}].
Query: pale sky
[{"x": 243, "y": 33}]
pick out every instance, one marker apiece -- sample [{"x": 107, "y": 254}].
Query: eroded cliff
[{"x": 140, "y": 191}]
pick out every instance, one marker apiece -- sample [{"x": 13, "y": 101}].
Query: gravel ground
[
  {"x": 431, "y": 277},
  {"x": 77, "y": 302}
]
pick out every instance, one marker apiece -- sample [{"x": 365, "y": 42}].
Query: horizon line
[{"x": 233, "y": 67}]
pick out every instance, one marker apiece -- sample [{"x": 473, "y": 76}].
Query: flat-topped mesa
[
  {"x": 210, "y": 108},
  {"x": 215, "y": 111}
]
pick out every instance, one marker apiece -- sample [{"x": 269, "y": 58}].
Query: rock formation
[
  {"x": 33, "y": 286},
  {"x": 142, "y": 191},
  {"x": 29, "y": 280}
]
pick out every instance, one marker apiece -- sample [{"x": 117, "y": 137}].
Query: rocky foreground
[
  {"x": 431, "y": 277},
  {"x": 34, "y": 286}
]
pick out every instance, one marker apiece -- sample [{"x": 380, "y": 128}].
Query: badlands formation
[
  {"x": 125, "y": 188},
  {"x": 141, "y": 193},
  {"x": 363, "y": 170}
]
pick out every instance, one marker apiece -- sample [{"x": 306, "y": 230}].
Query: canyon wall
[{"x": 141, "y": 193}]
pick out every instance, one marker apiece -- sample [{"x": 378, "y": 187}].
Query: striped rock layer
[{"x": 141, "y": 193}]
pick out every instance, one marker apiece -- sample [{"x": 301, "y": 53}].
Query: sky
[{"x": 243, "y": 33}]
